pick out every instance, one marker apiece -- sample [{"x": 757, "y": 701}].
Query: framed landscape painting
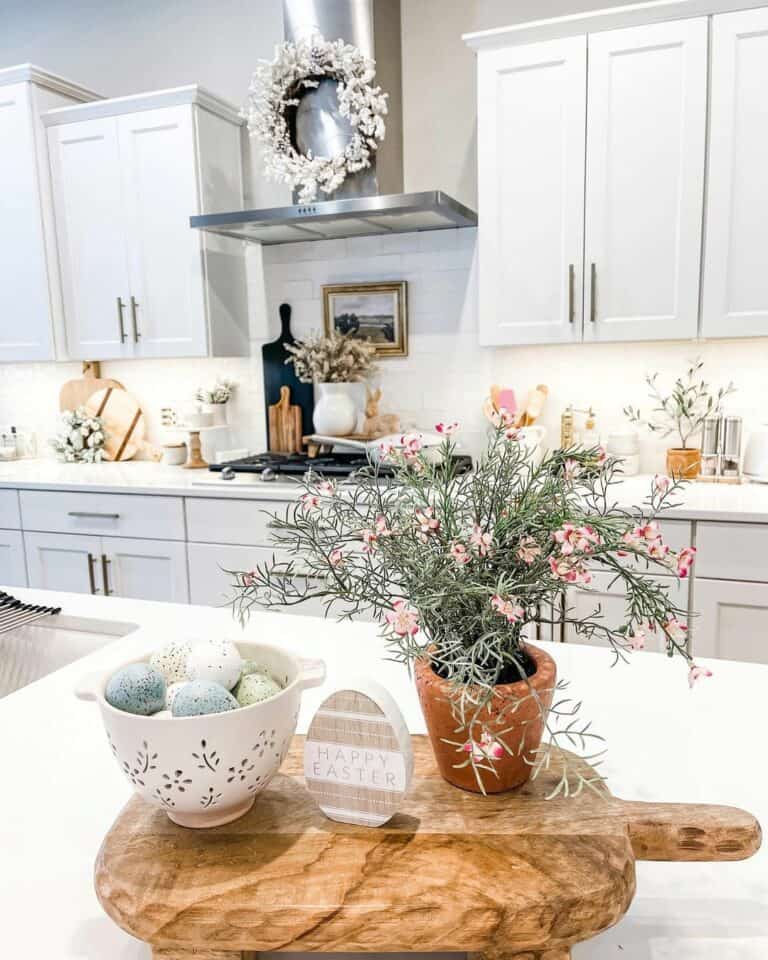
[{"x": 370, "y": 311}]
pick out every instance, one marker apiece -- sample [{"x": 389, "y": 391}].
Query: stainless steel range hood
[
  {"x": 333, "y": 219},
  {"x": 356, "y": 209}
]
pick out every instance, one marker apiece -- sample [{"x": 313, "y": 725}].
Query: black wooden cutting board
[{"x": 278, "y": 373}]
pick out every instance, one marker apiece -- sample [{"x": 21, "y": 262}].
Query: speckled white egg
[
  {"x": 199, "y": 697},
  {"x": 255, "y": 687},
  {"x": 216, "y": 661},
  {"x": 137, "y": 688},
  {"x": 170, "y": 693},
  {"x": 171, "y": 660}
]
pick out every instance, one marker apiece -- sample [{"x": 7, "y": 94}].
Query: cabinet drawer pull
[
  {"x": 134, "y": 321},
  {"x": 105, "y": 574},
  {"x": 100, "y": 516},
  {"x": 91, "y": 575},
  {"x": 571, "y": 277},
  {"x": 592, "y": 293},
  {"x": 120, "y": 321}
]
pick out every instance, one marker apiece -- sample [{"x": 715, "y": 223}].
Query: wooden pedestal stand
[{"x": 511, "y": 875}]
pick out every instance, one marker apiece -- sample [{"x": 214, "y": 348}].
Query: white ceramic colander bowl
[{"x": 205, "y": 771}]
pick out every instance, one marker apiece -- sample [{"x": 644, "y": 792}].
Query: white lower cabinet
[
  {"x": 610, "y": 600},
  {"x": 731, "y": 621},
  {"x": 140, "y": 569},
  {"x": 211, "y": 585},
  {"x": 13, "y": 571}
]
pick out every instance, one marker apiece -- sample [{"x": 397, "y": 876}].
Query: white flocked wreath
[{"x": 277, "y": 86}]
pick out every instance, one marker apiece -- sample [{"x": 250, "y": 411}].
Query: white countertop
[
  {"x": 745, "y": 503},
  {"x": 61, "y": 788}
]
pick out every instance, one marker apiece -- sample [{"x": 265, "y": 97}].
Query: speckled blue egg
[
  {"x": 171, "y": 660},
  {"x": 137, "y": 688},
  {"x": 172, "y": 690},
  {"x": 199, "y": 697}
]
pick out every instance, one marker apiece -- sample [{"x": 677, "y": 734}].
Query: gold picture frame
[{"x": 385, "y": 321}]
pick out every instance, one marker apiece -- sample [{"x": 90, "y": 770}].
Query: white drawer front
[
  {"x": 732, "y": 551},
  {"x": 107, "y": 514},
  {"x": 10, "y": 518},
  {"x": 232, "y": 521}
]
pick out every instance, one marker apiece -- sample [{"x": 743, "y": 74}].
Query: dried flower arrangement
[
  {"x": 275, "y": 90},
  {"x": 80, "y": 438},
  {"x": 332, "y": 359},
  {"x": 220, "y": 392},
  {"x": 684, "y": 409},
  {"x": 459, "y": 567}
]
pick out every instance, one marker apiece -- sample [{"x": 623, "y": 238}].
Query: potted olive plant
[
  {"x": 333, "y": 364},
  {"x": 458, "y": 569},
  {"x": 681, "y": 412}
]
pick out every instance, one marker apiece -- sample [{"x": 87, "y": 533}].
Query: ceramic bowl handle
[
  {"x": 88, "y": 687},
  {"x": 312, "y": 673}
]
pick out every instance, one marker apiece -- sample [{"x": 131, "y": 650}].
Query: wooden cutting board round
[
  {"x": 75, "y": 393},
  {"x": 123, "y": 422}
]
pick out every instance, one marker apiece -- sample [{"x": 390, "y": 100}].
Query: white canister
[
  {"x": 335, "y": 412},
  {"x": 218, "y": 412},
  {"x": 630, "y": 464},
  {"x": 174, "y": 454},
  {"x": 623, "y": 443}
]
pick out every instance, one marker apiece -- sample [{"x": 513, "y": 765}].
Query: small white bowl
[{"x": 205, "y": 771}]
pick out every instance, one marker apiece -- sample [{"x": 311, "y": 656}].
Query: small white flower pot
[
  {"x": 218, "y": 412},
  {"x": 205, "y": 771},
  {"x": 335, "y": 412}
]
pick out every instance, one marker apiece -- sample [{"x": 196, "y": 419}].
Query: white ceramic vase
[
  {"x": 335, "y": 412},
  {"x": 218, "y": 412}
]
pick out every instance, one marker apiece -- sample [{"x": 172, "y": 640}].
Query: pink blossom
[
  {"x": 402, "y": 619},
  {"x": 573, "y": 539},
  {"x": 569, "y": 569},
  {"x": 662, "y": 483},
  {"x": 602, "y": 455},
  {"x": 309, "y": 501},
  {"x": 697, "y": 673},
  {"x": 325, "y": 488},
  {"x": 411, "y": 443},
  {"x": 481, "y": 541},
  {"x": 658, "y": 550},
  {"x": 486, "y": 749},
  {"x": 571, "y": 470},
  {"x": 385, "y": 449},
  {"x": 250, "y": 578},
  {"x": 510, "y": 609},
  {"x": 371, "y": 537},
  {"x": 459, "y": 553},
  {"x": 685, "y": 561},
  {"x": 675, "y": 630},
  {"x": 447, "y": 429},
  {"x": 336, "y": 558},
  {"x": 637, "y": 640},
  {"x": 528, "y": 550},
  {"x": 512, "y": 433},
  {"x": 427, "y": 522}
]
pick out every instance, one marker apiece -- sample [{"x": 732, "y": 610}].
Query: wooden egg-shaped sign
[{"x": 358, "y": 758}]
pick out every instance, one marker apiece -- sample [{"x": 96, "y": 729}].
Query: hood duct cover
[{"x": 357, "y": 208}]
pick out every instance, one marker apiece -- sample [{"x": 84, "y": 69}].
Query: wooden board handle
[{"x": 691, "y": 831}]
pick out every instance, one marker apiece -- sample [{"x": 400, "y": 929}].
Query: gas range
[{"x": 270, "y": 466}]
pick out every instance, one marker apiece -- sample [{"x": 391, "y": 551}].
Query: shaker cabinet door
[
  {"x": 644, "y": 185},
  {"x": 13, "y": 571},
  {"x": 90, "y": 229},
  {"x": 159, "y": 182},
  {"x": 731, "y": 621},
  {"x": 25, "y": 318},
  {"x": 735, "y": 302},
  {"x": 61, "y": 561},
  {"x": 531, "y": 116},
  {"x": 145, "y": 569}
]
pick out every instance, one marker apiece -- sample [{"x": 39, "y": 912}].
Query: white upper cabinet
[
  {"x": 646, "y": 128},
  {"x": 531, "y": 113},
  {"x": 30, "y": 296},
  {"x": 127, "y": 175},
  {"x": 735, "y": 301}
]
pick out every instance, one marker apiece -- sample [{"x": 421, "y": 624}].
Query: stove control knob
[
  {"x": 268, "y": 474},
  {"x": 227, "y": 473}
]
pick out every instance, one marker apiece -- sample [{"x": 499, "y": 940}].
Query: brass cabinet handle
[
  {"x": 105, "y": 574},
  {"x": 120, "y": 320},
  {"x": 101, "y": 516},
  {"x": 91, "y": 576},
  {"x": 592, "y": 293},
  {"x": 571, "y": 279},
  {"x": 134, "y": 322}
]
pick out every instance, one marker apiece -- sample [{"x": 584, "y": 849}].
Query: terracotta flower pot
[
  {"x": 683, "y": 464},
  {"x": 521, "y": 729}
]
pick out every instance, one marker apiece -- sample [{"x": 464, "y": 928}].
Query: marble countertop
[
  {"x": 61, "y": 788},
  {"x": 742, "y": 503}
]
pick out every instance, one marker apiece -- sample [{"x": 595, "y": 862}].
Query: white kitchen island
[{"x": 60, "y": 788}]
